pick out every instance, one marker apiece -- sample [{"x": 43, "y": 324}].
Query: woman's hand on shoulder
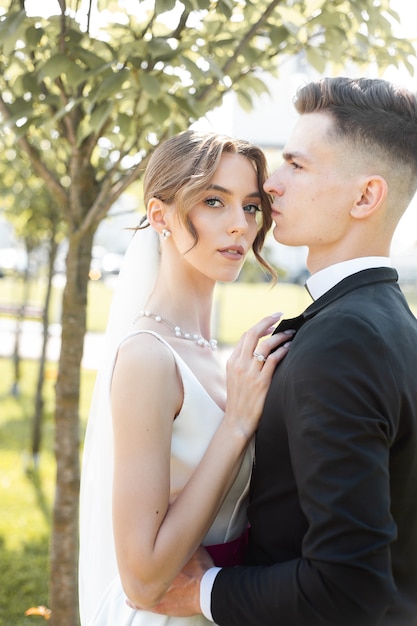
[{"x": 249, "y": 372}]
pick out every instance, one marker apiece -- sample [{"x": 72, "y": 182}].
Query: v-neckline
[{"x": 176, "y": 356}]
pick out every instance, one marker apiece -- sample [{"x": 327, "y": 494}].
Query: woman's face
[{"x": 225, "y": 220}]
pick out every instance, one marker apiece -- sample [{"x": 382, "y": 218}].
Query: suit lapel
[{"x": 355, "y": 281}]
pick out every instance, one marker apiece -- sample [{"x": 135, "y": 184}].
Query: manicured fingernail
[
  {"x": 276, "y": 314},
  {"x": 287, "y": 345},
  {"x": 289, "y": 331}
]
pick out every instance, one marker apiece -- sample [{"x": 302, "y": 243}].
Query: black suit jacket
[{"x": 333, "y": 506}]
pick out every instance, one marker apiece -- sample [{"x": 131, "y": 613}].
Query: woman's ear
[
  {"x": 156, "y": 214},
  {"x": 374, "y": 193}
]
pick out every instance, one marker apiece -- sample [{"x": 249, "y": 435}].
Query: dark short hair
[{"x": 373, "y": 114}]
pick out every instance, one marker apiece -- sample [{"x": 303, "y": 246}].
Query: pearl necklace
[{"x": 198, "y": 339}]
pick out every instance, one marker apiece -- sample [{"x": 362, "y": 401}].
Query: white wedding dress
[{"x": 102, "y": 600}]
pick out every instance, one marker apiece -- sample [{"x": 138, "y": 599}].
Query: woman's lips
[{"x": 234, "y": 253}]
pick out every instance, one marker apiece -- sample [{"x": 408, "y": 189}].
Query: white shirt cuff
[{"x": 206, "y": 586}]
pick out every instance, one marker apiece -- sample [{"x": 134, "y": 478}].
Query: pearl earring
[{"x": 166, "y": 233}]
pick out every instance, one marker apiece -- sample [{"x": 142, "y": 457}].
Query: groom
[{"x": 333, "y": 507}]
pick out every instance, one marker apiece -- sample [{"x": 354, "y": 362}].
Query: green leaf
[
  {"x": 90, "y": 59},
  {"x": 124, "y": 122},
  {"x": 59, "y": 112},
  {"x": 159, "y": 48},
  {"x": 111, "y": 86},
  {"x": 245, "y": 101},
  {"x": 191, "y": 67},
  {"x": 75, "y": 75},
  {"x": 162, "y": 6},
  {"x": 11, "y": 30},
  {"x": 196, "y": 5},
  {"x": 316, "y": 60},
  {"x": 84, "y": 130},
  {"x": 151, "y": 85},
  {"x": 160, "y": 111},
  {"x": 252, "y": 54},
  {"x": 100, "y": 115},
  {"x": 255, "y": 84},
  {"x": 20, "y": 108},
  {"x": 26, "y": 83},
  {"x": 278, "y": 35},
  {"x": 73, "y": 37},
  {"x": 11, "y": 24},
  {"x": 33, "y": 35},
  {"x": 225, "y": 7},
  {"x": 54, "y": 67},
  {"x": 22, "y": 131},
  {"x": 187, "y": 106}
]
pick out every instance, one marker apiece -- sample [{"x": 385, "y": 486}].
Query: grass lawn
[
  {"x": 26, "y": 495},
  {"x": 238, "y": 306},
  {"x": 25, "y": 503}
]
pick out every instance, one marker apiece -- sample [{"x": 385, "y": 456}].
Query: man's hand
[{"x": 183, "y": 596}]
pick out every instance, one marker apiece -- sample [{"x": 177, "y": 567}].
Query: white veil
[{"x": 97, "y": 559}]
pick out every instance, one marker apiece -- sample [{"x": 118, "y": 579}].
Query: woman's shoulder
[
  {"x": 146, "y": 364},
  {"x": 145, "y": 348}
]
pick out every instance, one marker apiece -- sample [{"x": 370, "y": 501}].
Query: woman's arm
[{"x": 154, "y": 538}]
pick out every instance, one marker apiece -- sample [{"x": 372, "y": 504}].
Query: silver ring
[{"x": 260, "y": 357}]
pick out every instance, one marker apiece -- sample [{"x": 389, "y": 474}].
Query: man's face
[{"x": 314, "y": 189}]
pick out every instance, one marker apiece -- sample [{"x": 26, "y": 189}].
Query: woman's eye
[
  {"x": 251, "y": 208},
  {"x": 214, "y": 202},
  {"x": 295, "y": 166}
]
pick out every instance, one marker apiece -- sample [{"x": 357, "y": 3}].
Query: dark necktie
[{"x": 293, "y": 323}]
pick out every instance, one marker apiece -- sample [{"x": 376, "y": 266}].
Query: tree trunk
[
  {"x": 64, "y": 543},
  {"x": 37, "y": 418}
]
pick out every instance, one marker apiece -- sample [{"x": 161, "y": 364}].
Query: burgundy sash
[{"x": 230, "y": 553}]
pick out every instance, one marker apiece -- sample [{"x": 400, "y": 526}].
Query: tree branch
[
  {"x": 249, "y": 35},
  {"x": 177, "y": 33},
  {"x": 148, "y": 25},
  {"x": 70, "y": 119},
  {"x": 110, "y": 191},
  {"x": 90, "y": 8},
  {"x": 56, "y": 190},
  {"x": 62, "y": 6}
]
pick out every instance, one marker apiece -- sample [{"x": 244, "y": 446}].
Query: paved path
[{"x": 31, "y": 343}]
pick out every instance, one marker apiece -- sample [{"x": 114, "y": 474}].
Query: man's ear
[
  {"x": 156, "y": 210},
  {"x": 374, "y": 191}
]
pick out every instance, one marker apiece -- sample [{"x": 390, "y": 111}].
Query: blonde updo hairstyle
[{"x": 182, "y": 167}]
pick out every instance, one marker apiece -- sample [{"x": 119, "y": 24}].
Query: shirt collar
[{"x": 325, "y": 279}]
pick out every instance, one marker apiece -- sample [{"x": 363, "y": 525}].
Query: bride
[{"x": 168, "y": 453}]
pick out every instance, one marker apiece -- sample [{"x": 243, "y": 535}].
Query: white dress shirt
[{"x": 317, "y": 285}]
